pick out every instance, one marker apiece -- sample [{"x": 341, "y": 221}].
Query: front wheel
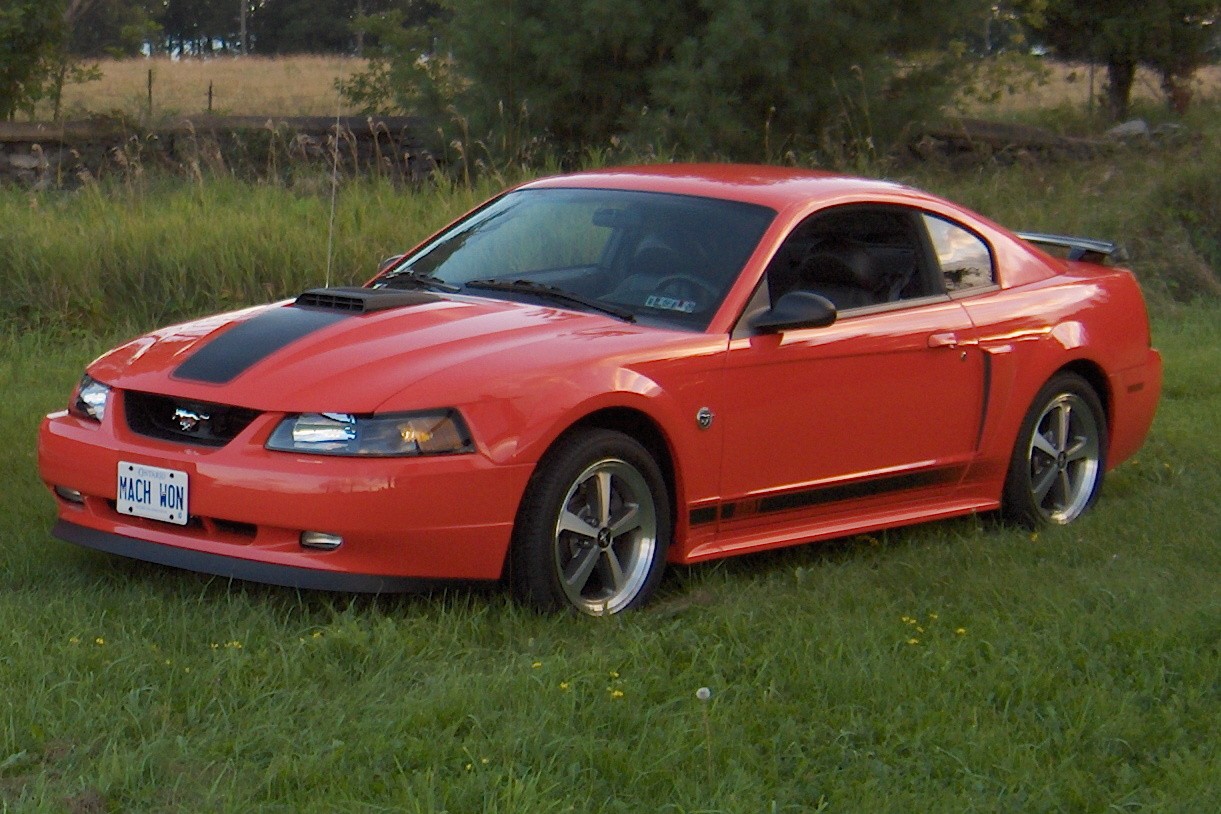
[
  {"x": 1058, "y": 462},
  {"x": 593, "y": 528}
]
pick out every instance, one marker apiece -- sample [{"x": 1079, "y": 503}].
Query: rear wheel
[
  {"x": 593, "y": 528},
  {"x": 1058, "y": 462}
]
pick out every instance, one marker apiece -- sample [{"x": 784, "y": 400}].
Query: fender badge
[{"x": 704, "y": 418}]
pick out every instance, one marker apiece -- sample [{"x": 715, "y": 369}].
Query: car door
[{"x": 884, "y": 405}]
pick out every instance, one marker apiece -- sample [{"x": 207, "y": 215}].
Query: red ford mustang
[{"x": 592, "y": 375}]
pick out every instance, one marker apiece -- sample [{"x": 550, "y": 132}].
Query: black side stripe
[
  {"x": 229, "y": 355},
  {"x": 824, "y": 494}
]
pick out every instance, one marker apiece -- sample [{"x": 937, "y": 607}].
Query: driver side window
[{"x": 855, "y": 257}]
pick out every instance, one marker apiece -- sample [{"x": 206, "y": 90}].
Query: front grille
[{"x": 198, "y": 423}]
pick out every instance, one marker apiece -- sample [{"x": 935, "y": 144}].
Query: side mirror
[{"x": 796, "y": 309}]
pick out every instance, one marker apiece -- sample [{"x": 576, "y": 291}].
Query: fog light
[
  {"x": 70, "y": 495},
  {"x": 321, "y": 540}
]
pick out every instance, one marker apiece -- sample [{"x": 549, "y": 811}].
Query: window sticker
[{"x": 670, "y": 304}]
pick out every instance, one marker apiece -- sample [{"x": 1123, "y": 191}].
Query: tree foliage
[
  {"x": 112, "y": 28},
  {"x": 1173, "y": 37},
  {"x": 739, "y": 78},
  {"x": 30, "y": 33}
]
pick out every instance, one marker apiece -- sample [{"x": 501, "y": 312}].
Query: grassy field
[
  {"x": 305, "y": 86},
  {"x": 241, "y": 86},
  {"x": 957, "y": 666}
]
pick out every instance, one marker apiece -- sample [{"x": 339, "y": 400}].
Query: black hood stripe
[{"x": 237, "y": 349}]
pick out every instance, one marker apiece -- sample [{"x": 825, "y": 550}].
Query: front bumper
[
  {"x": 290, "y": 576},
  {"x": 405, "y": 521}
]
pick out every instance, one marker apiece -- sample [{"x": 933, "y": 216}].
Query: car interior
[{"x": 855, "y": 258}]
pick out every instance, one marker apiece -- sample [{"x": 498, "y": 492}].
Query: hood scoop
[{"x": 353, "y": 300}]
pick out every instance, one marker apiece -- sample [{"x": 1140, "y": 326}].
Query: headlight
[
  {"x": 440, "y": 432},
  {"x": 90, "y": 399}
]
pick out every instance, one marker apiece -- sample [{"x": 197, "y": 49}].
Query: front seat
[{"x": 844, "y": 273}]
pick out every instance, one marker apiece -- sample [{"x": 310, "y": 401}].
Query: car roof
[{"x": 774, "y": 187}]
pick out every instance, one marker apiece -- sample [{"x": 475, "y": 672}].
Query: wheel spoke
[
  {"x": 1041, "y": 443},
  {"x": 574, "y": 523},
  {"x": 1080, "y": 448},
  {"x": 611, "y": 570},
  {"x": 1064, "y": 415},
  {"x": 1043, "y": 485},
  {"x": 628, "y": 522},
  {"x": 602, "y": 498},
  {"x": 579, "y": 568},
  {"x": 1066, "y": 488}
]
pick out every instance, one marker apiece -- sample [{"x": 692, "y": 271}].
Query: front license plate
[{"x": 152, "y": 492}]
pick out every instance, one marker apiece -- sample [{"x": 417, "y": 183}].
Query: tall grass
[
  {"x": 144, "y": 250},
  {"x": 1163, "y": 203},
  {"x": 160, "y": 251}
]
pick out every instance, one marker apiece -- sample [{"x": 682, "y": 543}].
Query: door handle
[{"x": 943, "y": 339}]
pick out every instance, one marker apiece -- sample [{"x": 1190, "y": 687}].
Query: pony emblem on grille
[{"x": 191, "y": 421}]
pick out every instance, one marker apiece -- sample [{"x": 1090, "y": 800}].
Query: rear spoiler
[{"x": 1078, "y": 248}]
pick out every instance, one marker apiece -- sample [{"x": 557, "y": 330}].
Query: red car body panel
[{"x": 920, "y": 424}]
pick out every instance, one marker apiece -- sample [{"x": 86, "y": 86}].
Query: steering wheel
[{"x": 686, "y": 286}]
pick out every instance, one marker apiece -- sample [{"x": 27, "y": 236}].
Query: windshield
[{"x": 662, "y": 259}]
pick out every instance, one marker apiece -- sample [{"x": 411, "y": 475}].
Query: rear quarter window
[{"x": 963, "y": 257}]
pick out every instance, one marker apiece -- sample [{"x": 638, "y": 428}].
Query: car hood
[{"x": 286, "y": 358}]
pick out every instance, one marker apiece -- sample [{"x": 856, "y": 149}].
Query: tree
[
  {"x": 30, "y": 33},
  {"x": 317, "y": 26},
  {"x": 1170, "y": 36},
  {"x": 114, "y": 28},
  {"x": 739, "y": 78},
  {"x": 302, "y": 26}
]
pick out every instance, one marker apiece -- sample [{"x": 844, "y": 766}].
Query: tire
[
  {"x": 1059, "y": 459},
  {"x": 593, "y": 528}
]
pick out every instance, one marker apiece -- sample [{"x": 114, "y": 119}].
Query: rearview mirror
[{"x": 796, "y": 309}]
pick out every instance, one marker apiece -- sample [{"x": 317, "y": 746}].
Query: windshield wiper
[
  {"x": 421, "y": 279},
  {"x": 552, "y": 293}
]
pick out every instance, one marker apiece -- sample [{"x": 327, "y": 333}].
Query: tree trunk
[{"x": 1120, "y": 75}]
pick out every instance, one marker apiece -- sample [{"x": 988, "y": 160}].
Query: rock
[
  {"x": 1170, "y": 131},
  {"x": 23, "y": 161},
  {"x": 1136, "y": 128}
]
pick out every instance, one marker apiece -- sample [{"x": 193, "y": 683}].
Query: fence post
[
  {"x": 150, "y": 94},
  {"x": 209, "y": 97}
]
